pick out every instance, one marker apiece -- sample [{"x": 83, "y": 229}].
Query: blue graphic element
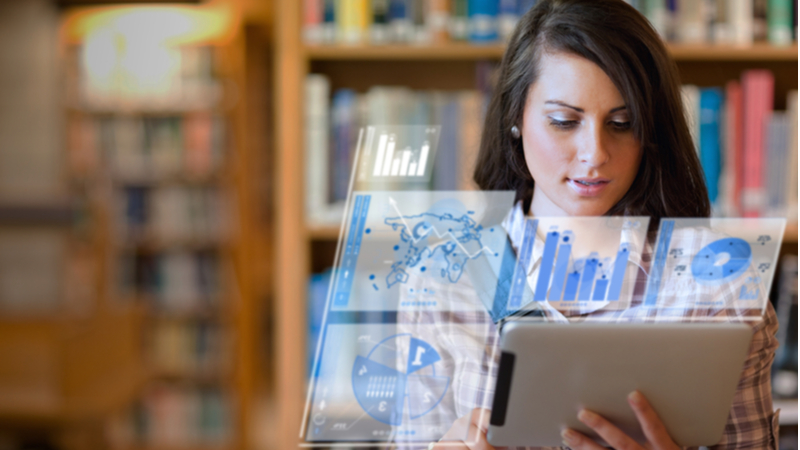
[
  {"x": 382, "y": 391},
  {"x": 600, "y": 289},
  {"x": 746, "y": 294},
  {"x": 546, "y": 267},
  {"x": 464, "y": 244},
  {"x": 587, "y": 281},
  {"x": 521, "y": 269},
  {"x": 504, "y": 280},
  {"x": 562, "y": 262},
  {"x": 706, "y": 267},
  {"x": 620, "y": 264},
  {"x": 420, "y": 355},
  {"x": 572, "y": 286},
  {"x": 660, "y": 260},
  {"x": 379, "y": 390},
  {"x": 344, "y": 281}
]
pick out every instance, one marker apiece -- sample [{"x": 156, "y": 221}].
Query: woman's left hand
[{"x": 653, "y": 428}]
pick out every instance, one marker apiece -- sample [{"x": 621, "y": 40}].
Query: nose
[{"x": 592, "y": 148}]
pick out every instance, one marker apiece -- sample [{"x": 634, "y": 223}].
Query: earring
[{"x": 515, "y": 132}]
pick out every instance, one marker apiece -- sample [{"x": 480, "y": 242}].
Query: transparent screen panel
[
  {"x": 405, "y": 249},
  {"x": 714, "y": 269}
]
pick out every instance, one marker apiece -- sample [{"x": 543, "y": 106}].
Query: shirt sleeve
[{"x": 752, "y": 422}]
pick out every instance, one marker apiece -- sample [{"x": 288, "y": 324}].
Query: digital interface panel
[{"x": 412, "y": 263}]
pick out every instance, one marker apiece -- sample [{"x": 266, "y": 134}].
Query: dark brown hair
[{"x": 613, "y": 35}]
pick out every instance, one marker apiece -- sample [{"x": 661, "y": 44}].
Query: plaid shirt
[{"x": 467, "y": 339}]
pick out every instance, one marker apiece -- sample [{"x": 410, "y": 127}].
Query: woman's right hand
[{"x": 469, "y": 430}]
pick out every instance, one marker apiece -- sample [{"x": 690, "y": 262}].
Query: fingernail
[
  {"x": 570, "y": 437},
  {"x": 587, "y": 417},
  {"x": 635, "y": 398}
]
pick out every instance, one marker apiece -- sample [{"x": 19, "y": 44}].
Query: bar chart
[
  {"x": 565, "y": 276},
  {"x": 399, "y": 153}
]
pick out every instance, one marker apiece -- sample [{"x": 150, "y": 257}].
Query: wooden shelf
[{"x": 464, "y": 51}]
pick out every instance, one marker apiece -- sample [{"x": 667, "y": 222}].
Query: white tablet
[{"x": 548, "y": 372}]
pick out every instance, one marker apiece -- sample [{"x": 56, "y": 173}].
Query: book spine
[
  {"x": 379, "y": 28},
  {"x": 400, "y": 25},
  {"x": 710, "y": 109},
  {"x": 791, "y": 140},
  {"x": 482, "y": 20},
  {"x": 779, "y": 22},
  {"x": 420, "y": 17},
  {"x": 312, "y": 21},
  {"x": 438, "y": 19},
  {"x": 760, "y": 20},
  {"x": 730, "y": 182},
  {"x": 344, "y": 123},
  {"x": 458, "y": 26},
  {"x": 351, "y": 19},
  {"x": 757, "y": 99},
  {"x": 507, "y": 18},
  {"x": 691, "y": 107},
  {"x": 775, "y": 163},
  {"x": 656, "y": 13},
  {"x": 740, "y": 13},
  {"x": 317, "y": 93},
  {"x": 329, "y": 21},
  {"x": 692, "y": 25}
]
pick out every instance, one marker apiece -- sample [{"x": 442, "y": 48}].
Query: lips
[{"x": 588, "y": 187}]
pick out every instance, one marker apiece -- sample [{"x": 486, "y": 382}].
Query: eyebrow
[{"x": 580, "y": 110}]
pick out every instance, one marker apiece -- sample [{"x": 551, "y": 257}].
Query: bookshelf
[
  {"x": 179, "y": 221},
  {"x": 303, "y": 246}
]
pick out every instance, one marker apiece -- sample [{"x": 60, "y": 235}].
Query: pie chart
[
  {"x": 397, "y": 380},
  {"x": 721, "y": 261}
]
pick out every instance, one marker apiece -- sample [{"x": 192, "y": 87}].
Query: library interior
[{"x": 174, "y": 174}]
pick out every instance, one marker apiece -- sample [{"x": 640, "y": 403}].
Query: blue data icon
[
  {"x": 389, "y": 395},
  {"x": 721, "y": 261}
]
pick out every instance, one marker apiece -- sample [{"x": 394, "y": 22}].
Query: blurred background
[{"x": 172, "y": 178}]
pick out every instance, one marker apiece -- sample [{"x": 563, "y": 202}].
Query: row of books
[
  {"x": 747, "y": 149},
  {"x": 180, "y": 347},
  {"x": 146, "y": 147},
  {"x": 332, "y": 129},
  {"x": 144, "y": 75},
  {"x": 172, "y": 214},
  {"x": 175, "y": 282},
  {"x": 487, "y": 21},
  {"x": 176, "y": 416}
]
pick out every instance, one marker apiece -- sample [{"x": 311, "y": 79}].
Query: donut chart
[
  {"x": 721, "y": 261},
  {"x": 398, "y": 380}
]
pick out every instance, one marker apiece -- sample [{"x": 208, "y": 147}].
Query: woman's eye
[
  {"x": 563, "y": 124},
  {"x": 621, "y": 126}
]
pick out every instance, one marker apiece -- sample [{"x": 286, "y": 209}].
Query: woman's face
[{"x": 578, "y": 141}]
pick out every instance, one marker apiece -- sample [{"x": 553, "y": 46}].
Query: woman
[{"x": 587, "y": 120}]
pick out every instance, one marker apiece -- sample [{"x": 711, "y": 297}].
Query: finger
[
  {"x": 579, "y": 441},
  {"x": 610, "y": 433},
  {"x": 480, "y": 418},
  {"x": 652, "y": 426},
  {"x": 477, "y": 439}
]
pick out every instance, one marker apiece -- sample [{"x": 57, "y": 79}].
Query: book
[
  {"x": 507, "y": 18},
  {"x": 313, "y": 18},
  {"x": 379, "y": 27},
  {"x": 458, "y": 24},
  {"x": 776, "y": 159},
  {"x": 692, "y": 21},
  {"x": 401, "y": 26},
  {"x": 710, "y": 118},
  {"x": 779, "y": 22},
  {"x": 351, "y": 21},
  {"x": 329, "y": 21},
  {"x": 691, "y": 107},
  {"x": 757, "y": 100},
  {"x": 439, "y": 17},
  {"x": 317, "y": 127},
  {"x": 656, "y": 13},
  {"x": 730, "y": 178},
  {"x": 740, "y": 16},
  {"x": 760, "y": 20},
  {"x": 482, "y": 16},
  {"x": 791, "y": 166}
]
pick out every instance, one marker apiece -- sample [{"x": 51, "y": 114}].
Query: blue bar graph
[
  {"x": 572, "y": 286},
  {"x": 620, "y": 265},
  {"x": 519, "y": 282},
  {"x": 600, "y": 289},
  {"x": 546, "y": 268},
  {"x": 560, "y": 273},
  {"x": 587, "y": 280},
  {"x": 660, "y": 260}
]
